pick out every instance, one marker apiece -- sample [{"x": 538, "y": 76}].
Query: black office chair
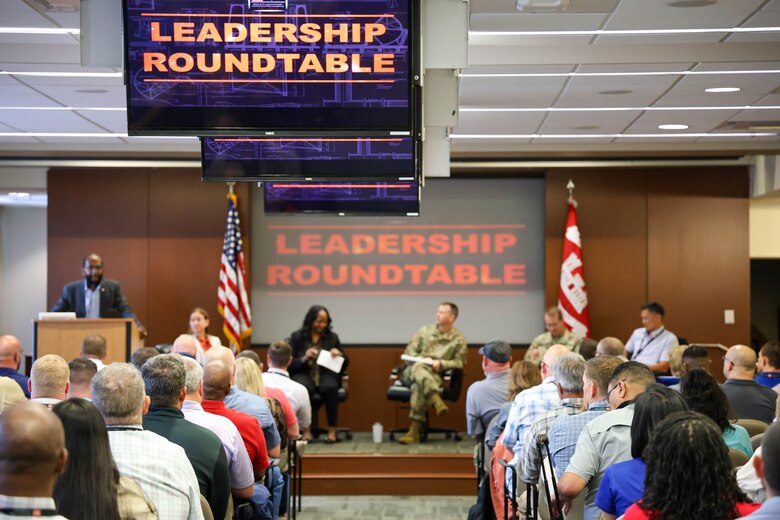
[
  {"x": 452, "y": 381},
  {"x": 316, "y": 399}
]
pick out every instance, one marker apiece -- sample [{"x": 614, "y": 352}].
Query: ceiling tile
[
  {"x": 580, "y": 122},
  {"x": 509, "y": 92},
  {"x": 699, "y": 121},
  {"x": 498, "y": 123},
  {"x": 48, "y": 121},
  {"x": 112, "y": 121}
]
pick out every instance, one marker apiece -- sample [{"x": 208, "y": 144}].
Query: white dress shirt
[{"x": 295, "y": 392}]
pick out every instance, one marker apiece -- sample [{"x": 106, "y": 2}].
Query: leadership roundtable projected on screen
[
  {"x": 478, "y": 243},
  {"x": 207, "y": 67}
]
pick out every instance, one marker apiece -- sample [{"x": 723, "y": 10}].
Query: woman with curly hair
[
  {"x": 689, "y": 474},
  {"x": 704, "y": 395}
]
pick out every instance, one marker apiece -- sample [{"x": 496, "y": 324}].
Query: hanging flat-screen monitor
[
  {"x": 309, "y": 158},
  {"x": 239, "y": 67},
  {"x": 342, "y": 198}
]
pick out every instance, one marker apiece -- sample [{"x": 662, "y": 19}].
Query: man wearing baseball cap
[{"x": 485, "y": 398}]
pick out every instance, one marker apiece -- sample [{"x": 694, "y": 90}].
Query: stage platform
[{"x": 359, "y": 467}]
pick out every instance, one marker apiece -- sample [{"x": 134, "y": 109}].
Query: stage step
[{"x": 388, "y": 474}]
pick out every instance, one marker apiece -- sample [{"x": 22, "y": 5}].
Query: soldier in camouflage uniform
[
  {"x": 445, "y": 347},
  {"x": 557, "y": 334}
]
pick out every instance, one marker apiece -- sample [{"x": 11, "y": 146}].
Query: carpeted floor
[{"x": 385, "y": 507}]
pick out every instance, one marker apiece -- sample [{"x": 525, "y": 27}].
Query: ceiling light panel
[
  {"x": 659, "y": 15},
  {"x": 583, "y": 91},
  {"x": 699, "y": 121},
  {"x": 45, "y": 121},
  {"x": 689, "y": 91},
  {"x": 502, "y": 92},
  {"x": 499, "y": 123}
]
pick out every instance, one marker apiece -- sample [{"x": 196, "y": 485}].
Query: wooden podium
[{"x": 64, "y": 337}]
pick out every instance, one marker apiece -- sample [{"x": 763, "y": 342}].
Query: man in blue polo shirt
[{"x": 10, "y": 355}]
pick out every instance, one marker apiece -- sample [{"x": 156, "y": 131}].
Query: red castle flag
[{"x": 572, "y": 294}]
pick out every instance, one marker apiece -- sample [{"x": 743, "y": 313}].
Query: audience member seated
[
  {"x": 683, "y": 448},
  {"x": 255, "y": 406},
  {"x": 675, "y": 367},
  {"x": 588, "y": 348},
  {"x": 749, "y": 399},
  {"x": 565, "y": 430},
  {"x": 94, "y": 347},
  {"x": 49, "y": 380},
  {"x": 164, "y": 379},
  {"x": 442, "y": 347},
  {"x": 199, "y": 328},
  {"x": 216, "y": 388},
  {"x": 10, "y": 393},
  {"x": 314, "y": 336},
  {"x": 160, "y": 467},
  {"x": 749, "y": 481},
  {"x": 141, "y": 355},
  {"x": 606, "y": 439},
  {"x": 82, "y": 370},
  {"x": 279, "y": 358},
  {"x": 186, "y": 345},
  {"x": 32, "y": 456},
  {"x": 767, "y": 467},
  {"x": 522, "y": 376},
  {"x": 650, "y": 344},
  {"x": 531, "y": 403},
  {"x": 624, "y": 482},
  {"x": 693, "y": 357},
  {"x": 769, "y": 365},
  {"x": 703, "y": 395},
  {"x": 485, "y": 398},
  {"x": 567, "y": 372},
  {"x": 556, "y": 334},
  {"x": 91, "y": 486},
  {"x": 611, "y": 346},
  {"x": 249, "y": 378},
  {"x": 10, "y": 357},
  {"x": 242, "y": 476}
]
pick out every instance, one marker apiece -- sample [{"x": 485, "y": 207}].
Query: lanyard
[{"x": 644, "y": 345}]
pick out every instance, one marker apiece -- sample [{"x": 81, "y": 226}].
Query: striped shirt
[
  {"x": 161, "y": 468},
  {"x": 529, "y": 472},
  {"x": 565, "y": 431},
  {"x": 527, "y": 406}
]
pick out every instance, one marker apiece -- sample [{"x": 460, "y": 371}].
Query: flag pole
[
  {"x": 570, "y": 187},
  {"x": 231, "y": 186}
]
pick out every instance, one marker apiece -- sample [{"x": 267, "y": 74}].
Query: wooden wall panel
[
  {"x": 698, "y": 261},
  {"x": 160, "y": 233},
  {"x": 612, "y": 218},
  {"x": 104, "y": 212}
]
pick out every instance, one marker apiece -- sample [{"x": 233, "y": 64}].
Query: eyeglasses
[{"x": 613, "y": 388}]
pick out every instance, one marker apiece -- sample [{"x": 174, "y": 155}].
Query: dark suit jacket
[
  {"x": 300, "y": 342},
  {"x": 112, "y": 303}
]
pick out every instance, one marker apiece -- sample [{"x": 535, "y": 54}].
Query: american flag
[{"x": 233, "y": 301}]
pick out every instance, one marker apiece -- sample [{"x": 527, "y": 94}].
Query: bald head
[
  {"x": 739, "y": 362},
  {"x": 223, "y": 354},
  {"x": 217, "y": 378},
  {"x": 49, "y": 377},
  {"x": 32, "y": 450},
  {"x": 552, "y": 354},
  {"x": 10, "y": 352},
  {"x": 185, "y": 344}
]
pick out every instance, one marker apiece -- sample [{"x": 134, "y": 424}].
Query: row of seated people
[
  {"x": 152, "y": 438},
  {"x": 598, "y": 419}
]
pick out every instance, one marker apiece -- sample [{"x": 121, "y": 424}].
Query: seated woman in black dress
[{"x": 314, "y": 336}]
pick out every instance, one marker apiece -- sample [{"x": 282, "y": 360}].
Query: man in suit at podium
[{"x": 94, "y": 296}]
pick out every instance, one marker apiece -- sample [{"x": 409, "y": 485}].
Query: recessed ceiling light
[
  {"x": 673, "y": 127},
  {"x": 720, "y": 90},
  {"x": 91, "y": 91},
  {"x": 692, "y": 3},
  {"x": 19, "y": 194},
  {"x": 585, "y": 127},
  {"x": 616, "y": 92}
]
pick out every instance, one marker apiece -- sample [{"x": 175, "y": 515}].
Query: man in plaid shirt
[
  {"x": 567, "y": 371},
  {"x": 530, "y": 404},
  {"x": 565, "y": 430}
]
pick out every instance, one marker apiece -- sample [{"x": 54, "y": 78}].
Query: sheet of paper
[
  {"x": 414, "y": 359},
  {"x": 330, "y": 362}
]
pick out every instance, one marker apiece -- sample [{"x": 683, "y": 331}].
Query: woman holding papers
[{"x": 318, "y": 362}]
